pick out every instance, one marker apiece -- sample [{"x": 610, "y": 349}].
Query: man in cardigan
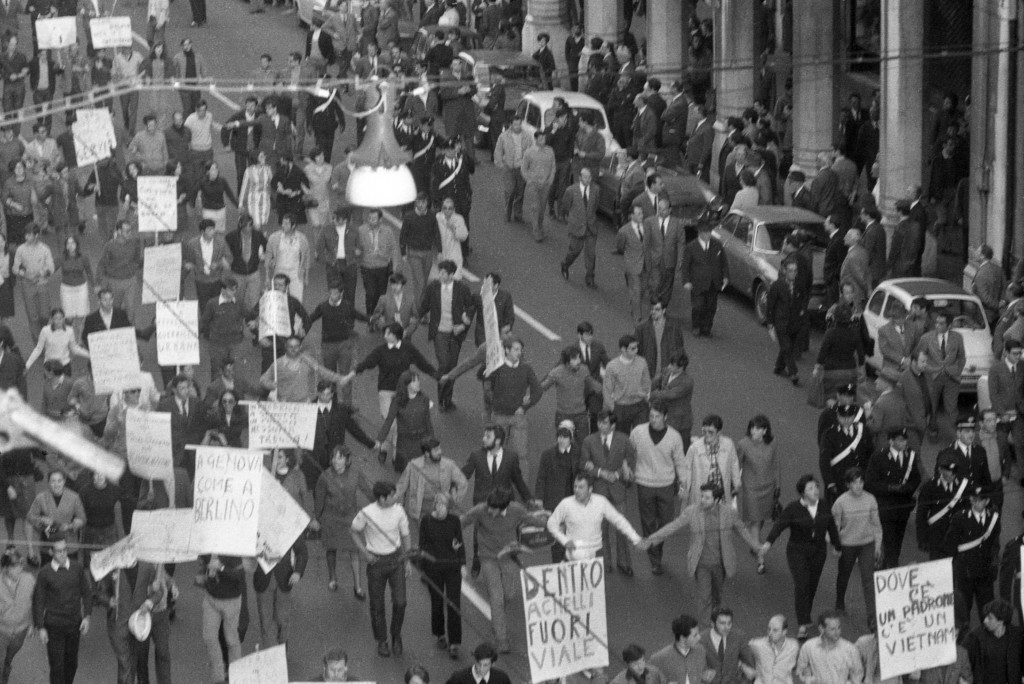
[{"x": 60, "y": 610}]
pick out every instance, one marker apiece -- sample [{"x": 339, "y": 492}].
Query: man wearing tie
[
  {"x": 893, "y": 476},
  {"x": 609, "y": 457},
  {"x": 666, "y": 237},
  {"x": 705, "y": 272},
  {"x": 595, "y": 358},
  {"x": 187, "y": 422},
  {"x": 896, "y": 344},
  {"x": 633, "y": 243},
  {"x": 944, "y": 349},
  {"x": 579, "y": 206}
]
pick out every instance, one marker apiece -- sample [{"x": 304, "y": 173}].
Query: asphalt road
[{"x": 733, "y": 378}]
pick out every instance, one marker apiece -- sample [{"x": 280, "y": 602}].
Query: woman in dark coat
[{"x": 410, "y": 412}]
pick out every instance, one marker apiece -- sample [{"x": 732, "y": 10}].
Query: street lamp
[{"x": 380, "y": 177}]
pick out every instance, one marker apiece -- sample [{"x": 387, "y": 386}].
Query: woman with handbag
[
  {"x": 444, "y": 554},
  {"x": 759, "y": 496}
]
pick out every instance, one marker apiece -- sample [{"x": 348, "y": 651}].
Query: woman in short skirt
[
  {"x": 75, "y": 282},
  {"x": 255, "y": 194}
]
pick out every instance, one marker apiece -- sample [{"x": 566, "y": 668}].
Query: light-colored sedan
[
  {"x": 538, "y": 111},
  {"x": 752, "y": 238},
  {"x": 893, "y": 297}
]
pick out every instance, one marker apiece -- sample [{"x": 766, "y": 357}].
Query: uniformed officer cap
[
  {"x": 980, "y": 492},
  {"x": 968, "y": 422},
  {"x": 849, "y": 390},
  {"x": 946, "y": 459},
  {"x": 847, "y": 411},
  {"x": 898, "y": 433}
]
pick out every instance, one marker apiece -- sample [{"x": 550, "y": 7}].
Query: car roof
[
  {"x": 502, "y": 58},
  {"x": 545, "y": 98},
  {"x": 926, "y": 287},
  {"x": 767, "y": 213}
]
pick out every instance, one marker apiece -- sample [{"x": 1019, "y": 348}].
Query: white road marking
[
  {"x": 545, "y": 331},
  {"x": 474, "y": 597}
]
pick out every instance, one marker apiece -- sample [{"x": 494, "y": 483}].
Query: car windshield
[
  {"x": 966, "y": 313},
  {"x": 549, "y": 116},
  {"x": 771, "y": 235}
]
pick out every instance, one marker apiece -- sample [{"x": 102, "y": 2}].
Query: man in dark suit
[
  {"x": 645, "y": 126},
  {"x": 333, "y": 419},
  {"x": 450, "y": 177},
  {"x": 946, "y": 359},
  {"x": 724, "y": 646},
  {"x": 451, "y": 300},
  {"x": 918, "y": 213},
  {"x": 648, "y": 199},
  {"x": 652, "y": 90},
  {"x": 667, "y": 236},
  {"x": 595, "y": 358},
  {"x": 698, "y": 147},
  {"x": 988, "y": 284},
  {"x": 503, "y": 305},
  {"x": 344, "y": 272},
  {"x": 106, "y": 317},
  {"x": 893, "y": 476},
  {"x": 275, "y": 133},
  {"x": 494, "y": 467},
  {"x": 785, "y": 312},
  {"x": 241, "y": 132},
  {"x": 971, "y": 458},
  {"x": 802, "y": 197},
  {"x": 704, "y": 272},
  {"x": 482, "y": 671},
  {"x": 674, "y": 389},
  {"x": 656, "y": 350},
  {"x": 914, "y": 385},
  {"x": 609, "y": 457},
  {"x": 574, "y": 45},
  {"x": 874, "y": 242},
  {"x": 835, "y": 255},
  {"x": 579, "y": 206},
  {"x": 673, "y": 125},
  {"x": 187, "y": 422},
  {"x": 1006, "y": 391}
]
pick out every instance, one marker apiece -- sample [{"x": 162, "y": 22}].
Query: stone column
[
  {"x": 733, "y": 65},
  {"x": 666, "y": 39},
  {"x": 815, "y": 97},
  {"x": 901, "y": 134},
  {"x": 602, "y": 18}
]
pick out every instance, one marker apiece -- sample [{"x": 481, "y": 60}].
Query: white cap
[{"x": 139, "y": 624}]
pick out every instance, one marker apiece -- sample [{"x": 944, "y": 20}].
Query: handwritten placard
[
  {"x": 226, "y": 500},
  {"x": 274, "y": 318},
  {"x": 59, "y": 32},
  {"x": 281, "y": 424},
  {"x": 93, "y": 135},
  {"x": 120, "y": 554},
  {"x": 164, "y": 535},
  {"x": 492, "y": 333},
  {"x": 158, "y": 204},
  {"x": 566, "y": 623},
  {"x": 111, "y": 32},
  {"x": 177, "y": 333},
  {"x": 148, "y": 439},
  {"x": 269, "y": 666},
  {"x": 914, "y": 609},
  {"x": 114, "y": 358},
  {"x": 281, "y": 522},
  {"x": 161, "y": 273}
]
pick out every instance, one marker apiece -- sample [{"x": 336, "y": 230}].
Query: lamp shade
[{"x": 380, "y": 177}]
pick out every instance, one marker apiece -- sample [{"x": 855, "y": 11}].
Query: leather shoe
[
  {"x": 382, "y": 649},
  {"x": 396, "y": 646},
  {"x": 565, "y": 271},
  {"x": 626, "y": 570},
  {"x": 657, "y": 570}
]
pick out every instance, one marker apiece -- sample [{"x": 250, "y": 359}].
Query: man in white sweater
[
  {"x": 577, "y": 519},
  {"x": 660, "y": 466}
]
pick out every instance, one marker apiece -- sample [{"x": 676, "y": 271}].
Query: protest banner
[
  {"x": 148, "y": 439},
  {"x": 59, "y": 32},
  {"x": 281, "y": 521},
  {"x": 114, "y": 358},
  {"x": 274, "y": 318},
  {"x": 111, "y": 32},
  {"x": 177, "y": 333},
  {"x": 282, "y": 424},
  {"x": 566, "y": 624},
  {"x": 914, "y": 610},
  {"x": 269, "y": 666},
  {"x": 161, "y": 273},
  {"x": 492, "y": 332},
  {"x": 120, "y": 554},
  {"x": 158, "y": 204},
  {"x": 226, "y": 500},
  {"x": 163, "y": 536},
  {"x": 93, "y": 134}
]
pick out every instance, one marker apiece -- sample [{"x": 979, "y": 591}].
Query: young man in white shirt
[
  {"x": 380, "y": 532},
  {"x": 576, "y": 521}
]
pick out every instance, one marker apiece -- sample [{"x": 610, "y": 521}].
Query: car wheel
[{"x": 761, "y": 302}]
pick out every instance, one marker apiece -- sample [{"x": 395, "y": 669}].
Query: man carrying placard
[
  {"x": 294, "y": 376},
  {"x": 298, "y": 320}
]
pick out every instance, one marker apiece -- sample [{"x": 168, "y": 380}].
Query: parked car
[
  {"x": 752, "y": 239},
  {"x": 690, "y": 195},
  {"x": 893, "y": 297},
  {"x": 537, "y": 110},
  {"x": 522, "y": 75}
]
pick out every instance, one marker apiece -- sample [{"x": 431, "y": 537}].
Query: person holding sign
[
  {"x": 294, "y": 376},
  {"x": 973, "y": 541},
  {"x": 298, "y": 321},
  {"x": 381, "y": 533}
]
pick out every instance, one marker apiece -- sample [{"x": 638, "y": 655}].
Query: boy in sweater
[
  {"x": 627, "y": 385},
  {"x": 60, "y": 610},
  {"x": 512, "y": 389}
]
